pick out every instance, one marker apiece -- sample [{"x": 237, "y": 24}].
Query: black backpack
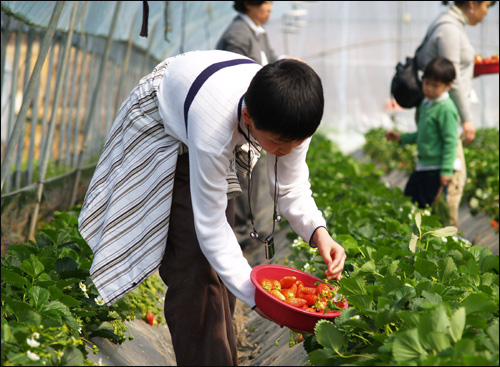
[{"x": 406, "y": 85}]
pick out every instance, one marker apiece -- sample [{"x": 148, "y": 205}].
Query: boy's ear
[{"x": 246, "y": 117}]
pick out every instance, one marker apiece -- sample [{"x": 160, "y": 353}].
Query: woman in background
[{"x": 450, "y": 41}]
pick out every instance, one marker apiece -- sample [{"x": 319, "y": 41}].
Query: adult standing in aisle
[
  {"x": 450, "y": 40},
  {"x": 246, "y": 36}
]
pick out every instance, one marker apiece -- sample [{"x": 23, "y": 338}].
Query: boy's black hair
[
  {"x": 240, "y": 6},
  {"x": 441, "y": 70},
  {"x": 286, "y": 98}
]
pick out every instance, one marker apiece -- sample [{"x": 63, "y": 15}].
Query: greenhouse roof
[{"x": 172, "y": 25}]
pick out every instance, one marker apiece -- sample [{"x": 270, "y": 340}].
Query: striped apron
[{"x": 125, "y": 213}]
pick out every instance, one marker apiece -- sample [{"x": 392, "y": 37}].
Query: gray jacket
[
  {"x": 451, "y": 41},
  {"x": 240, "y": 38}
]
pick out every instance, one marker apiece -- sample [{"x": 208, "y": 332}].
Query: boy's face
[
  {"x": 272, "y": 143},
  {"x": 432, "y": 88}
]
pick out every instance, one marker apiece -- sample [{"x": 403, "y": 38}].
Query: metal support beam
[
  {"x": 30, "y": 91},
  {"x": 93, "y": 105},
  {"x": 45, "y": 157}
]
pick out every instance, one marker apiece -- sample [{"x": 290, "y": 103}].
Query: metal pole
[
  {"x": 83, "y": 44},
  {"x": 5, "y": 42},
  {"x": 30, "y": 90},
  {"x": 94, "y": 103},
  {"x": 12, "y": 102},
  {"x": 20, "y": 146},
  {"x": 44, "y": 159},
  {"x": 71, "y": 122}
]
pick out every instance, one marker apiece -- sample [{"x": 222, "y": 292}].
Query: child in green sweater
[{"x": 436, "y": 136}]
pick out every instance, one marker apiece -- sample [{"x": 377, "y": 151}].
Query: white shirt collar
[
  {"x": 258, "y": 30},
  {"x": 442, "y": 97},
  {"x": 459, "y": 14}
]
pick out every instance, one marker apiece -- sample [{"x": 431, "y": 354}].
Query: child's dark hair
[
  {"x": 240, "y": 6},
  {"x": 286, "y": 98},
  {"x": 441, "y": 70}
]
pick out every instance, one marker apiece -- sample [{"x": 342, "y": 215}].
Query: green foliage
[
  {"x": 50, "y": 307},
  {"x": 481, "y": 189},
  {"x": 388, "y": 154},
  {"x": 482, "y": 186},
  {"x": 417, "y": 294}
]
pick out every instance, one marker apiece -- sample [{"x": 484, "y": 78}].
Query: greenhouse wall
[{"x": 55, "y": 123}]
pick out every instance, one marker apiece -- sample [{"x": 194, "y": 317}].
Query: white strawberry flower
[
  {"x": 338, "y": 298},
  {"x": 99, "y": 300},
  {"x": 32, "y": 342},
  {"x": 33, "y": 356},
  {"x": 83, "y": 287}
]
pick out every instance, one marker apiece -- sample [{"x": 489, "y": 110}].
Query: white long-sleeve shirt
[{"x": 211, "y": 136}]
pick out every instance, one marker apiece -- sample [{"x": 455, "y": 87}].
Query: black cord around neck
[{"x": 276, "y": 218}]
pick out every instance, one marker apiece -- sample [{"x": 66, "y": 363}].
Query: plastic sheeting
[
  {"x": 174, "y": 26},
  {"x": 353, "y": 45}
]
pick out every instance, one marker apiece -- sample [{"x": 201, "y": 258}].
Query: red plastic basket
[
  {"x": 489, "y": 68},
  {"x": 281, "y": 312}
]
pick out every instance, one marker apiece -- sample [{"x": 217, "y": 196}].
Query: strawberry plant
[
  {"x": 482, "y": 186},
  {"x": 50, "y": 307},
  {"x": 481, "y": 157},
  {"x": 417, "y": 294}
]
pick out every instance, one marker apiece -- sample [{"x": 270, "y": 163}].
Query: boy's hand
[
  {"x": 445, "y": 180},
  {"x": 393, "y": 136},
  {"x": 333, "y": 254}
]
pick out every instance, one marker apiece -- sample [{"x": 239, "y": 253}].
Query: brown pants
[{"x": 198, "y": 307}]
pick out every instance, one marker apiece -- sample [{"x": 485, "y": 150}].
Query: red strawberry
[
  {"x": 321, "y": 306},
  {"x": 296, "y": 302},
  {"x": 287, "y": 282},
  {"x": 266, "y": 284},
  {"x": 310, "y": 298},
  {"x": 288, "y": 293},
  {"x": 276, "y": 284},
  {"x": 323, "y": 290},
  {"x": 302, "y": 290},
  {"x": 150, "y": 317}
]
